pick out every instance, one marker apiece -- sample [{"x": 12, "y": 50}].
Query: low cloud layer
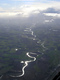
[
  {"x": 28, "y": 15},
  {"x": 26, "y": 10}
]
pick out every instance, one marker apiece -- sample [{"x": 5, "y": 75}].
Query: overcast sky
[{"x": 26, "y": 7}]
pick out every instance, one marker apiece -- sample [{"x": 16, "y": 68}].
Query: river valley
[
  {"x": 30, "y": 35},
  {"x": 31, "y": 57}
]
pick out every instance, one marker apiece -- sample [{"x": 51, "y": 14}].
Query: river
[
  {"x": 26, "y": 64},
  {"x": 28, "y": 30}
]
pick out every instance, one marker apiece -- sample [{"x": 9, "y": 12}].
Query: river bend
[{"x": 26, "y": 64}]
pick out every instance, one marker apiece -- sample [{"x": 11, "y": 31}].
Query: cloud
[
  {"x": 28, "y": 9},
  {"x": 52, "y": 14},
  {"x": 51, "y": 10},
  {"x": 6, "y": 14},
  {"x": 1, "y": 8}
]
